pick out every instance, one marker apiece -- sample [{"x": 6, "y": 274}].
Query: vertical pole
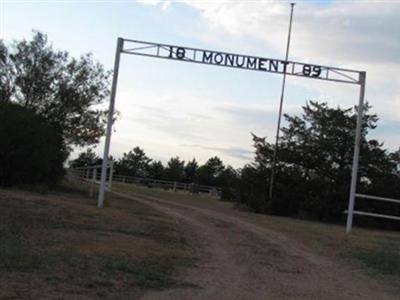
[
  {"x": 110, "y": 178},
  {"x": 120, "y": 43},
  {"x": 93, "y": 183},
  {"x": 356, "y": 155},
  {"x": 271, "y": 182}
]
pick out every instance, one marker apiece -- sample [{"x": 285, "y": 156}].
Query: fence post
[
  {"x": 111, "y": 175},
  {"x": 93, "y": 183},
  {"x": 191, "y": 188}
]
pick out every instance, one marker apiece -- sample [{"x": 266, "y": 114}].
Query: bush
[{"x": 31, "y": 151}]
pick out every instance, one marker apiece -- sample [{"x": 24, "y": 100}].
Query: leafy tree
[
  {"x": 66, "y": 91},
  {"x": 31, "y": 151},
  {"x": 395, "y": 158},
  {"x": 7, "y": 87},
  {"x": 175, "y": 170},
  {"x": 134, "y": 163},
  {"x": 314, "y": 164},
  {"x": 87, "y": 158},
  {"x": 191, "y": 170}
]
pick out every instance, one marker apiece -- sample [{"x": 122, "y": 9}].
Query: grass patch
[
  {"x": 63, "y": 243},
  {"x": 147, "y": 274},
  {"x": 16, "y": 250},
  {"x": 15, "y": 255},
  {"x": 383, "y": 261}
]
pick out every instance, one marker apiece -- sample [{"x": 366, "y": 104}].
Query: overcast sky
[{"x": 190, "y": 110}]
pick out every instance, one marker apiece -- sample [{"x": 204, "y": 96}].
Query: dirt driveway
[{"x": 239, "y": 260}]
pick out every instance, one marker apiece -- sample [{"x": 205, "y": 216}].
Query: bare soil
[{"x": 237, "y": 259}]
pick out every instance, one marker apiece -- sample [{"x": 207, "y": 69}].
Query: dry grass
[
  {"x": 375, "y": 251},
  {"x": 60, "y": 245},
  {"x": 199, "y": 200}
]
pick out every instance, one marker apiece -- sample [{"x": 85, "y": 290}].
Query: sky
[{"x": 190, "y": 110}]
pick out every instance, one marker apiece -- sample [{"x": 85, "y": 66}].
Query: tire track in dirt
[{"x": 239, "y": 260}]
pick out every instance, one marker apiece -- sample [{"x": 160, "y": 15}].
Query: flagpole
[{"x": 273, "y": 166}]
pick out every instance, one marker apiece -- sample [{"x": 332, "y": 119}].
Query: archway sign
[{"x": 237, "y": 61}]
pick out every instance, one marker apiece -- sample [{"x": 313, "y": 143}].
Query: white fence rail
[
  {"x": 375, "y": 215},
  {"x": 170, "y": 185},
  {"x": 91, "y": 175}
]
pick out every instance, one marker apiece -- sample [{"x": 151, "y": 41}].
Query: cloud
[
  {"x": 163, "y": 3},
  {"x": 184, "y": 128},
  {"x": 236, "y": 152},
  {"x": 364, "y": 31}
]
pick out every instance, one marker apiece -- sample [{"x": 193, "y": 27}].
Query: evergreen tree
[
  {"x": 84, "y": 159},
  {"x": 175, "y": 170},
  {"x": 191, "y": 170},
  {"x": 156, "y": 170},
  {"x": 134, "y": 163},
  {"x": 209, "y": 173}
]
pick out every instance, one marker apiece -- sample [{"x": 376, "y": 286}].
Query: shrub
[{"x": 31, "y": 151}]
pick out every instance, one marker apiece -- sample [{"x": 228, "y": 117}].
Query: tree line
[{"x": 136, "y": 163}]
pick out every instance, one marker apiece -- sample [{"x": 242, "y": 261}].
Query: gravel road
[{"x": 239, "y": 260}]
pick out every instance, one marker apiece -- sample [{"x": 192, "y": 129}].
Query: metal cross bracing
[
  {"x": 244, "y": 62},
  {"x": 239, "y": 61}
]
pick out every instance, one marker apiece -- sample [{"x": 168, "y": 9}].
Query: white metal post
[
  {"x": 120, "y": 43},
  {"x": 110, "y": 178},
  {"x": 93, "y": 183},
  {"x": 356, "y": 155}
]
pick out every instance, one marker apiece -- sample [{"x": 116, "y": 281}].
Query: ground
[
  {"x": 59, "y": 245},
  {"x": 154, "y": 244}
]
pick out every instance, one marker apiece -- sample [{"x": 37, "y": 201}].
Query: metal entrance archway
[{"x": 238, "y": 61}]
